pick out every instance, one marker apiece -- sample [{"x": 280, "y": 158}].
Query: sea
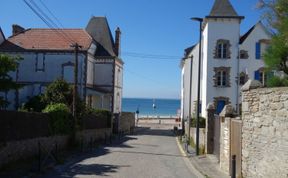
[{"x": 162, "y": 107}]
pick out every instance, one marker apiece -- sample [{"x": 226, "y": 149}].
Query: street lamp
[{"x": 198, "y": 86}]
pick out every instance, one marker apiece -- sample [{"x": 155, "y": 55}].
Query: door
[{"x": 220, "y": 106}]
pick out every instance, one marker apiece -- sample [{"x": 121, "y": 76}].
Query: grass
[{"x": 193, "y": 145}]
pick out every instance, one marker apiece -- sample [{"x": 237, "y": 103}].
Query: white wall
[
  {"x": 228, "y": 29},
  {"x": 252, "y": 64},
  {"x": 35, "y": 81},
  {"x": 118, "y": 88}
]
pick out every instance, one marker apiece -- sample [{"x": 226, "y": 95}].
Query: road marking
[{"x": 187, "y": 161}]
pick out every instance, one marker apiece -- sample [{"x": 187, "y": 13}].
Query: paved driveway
[{"x": 151, "y": 153}]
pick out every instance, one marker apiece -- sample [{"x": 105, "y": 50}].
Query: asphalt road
[{"x": 152, "y": 152}]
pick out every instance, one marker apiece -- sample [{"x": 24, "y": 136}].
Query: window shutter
[
  {"x": 258, "y": 50},
  {"x": 257, "y": 75}
]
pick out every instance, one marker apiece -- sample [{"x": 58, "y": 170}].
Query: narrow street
[{"x": 151, "y": 152}]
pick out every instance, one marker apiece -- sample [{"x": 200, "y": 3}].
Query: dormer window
[{"x": 222, "y": 50}]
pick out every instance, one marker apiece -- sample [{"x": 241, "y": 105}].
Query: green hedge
[
  {"x": 99, "y": 113},
  {"x": 277, "y": 82},
  {"x": 60, "y": 119},
  {"x": 202, "y": 122}
]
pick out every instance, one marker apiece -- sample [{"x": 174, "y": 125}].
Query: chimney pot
[{"x": 117, "y": 41}]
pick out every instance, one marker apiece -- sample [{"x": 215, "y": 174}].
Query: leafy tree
[
  {"x": 58, "y": 92},
  {"x": 61, "y": 92},
  {"x": 276, "y": 15},
  {"x": 7, "y": 64}
]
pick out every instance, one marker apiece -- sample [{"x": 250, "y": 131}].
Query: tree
[
  {"x": 58, "y": 92},
  {"x": 276, "y": 15},
  {"x": 7, "y": 64}
]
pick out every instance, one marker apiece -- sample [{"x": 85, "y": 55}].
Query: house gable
[{"x": 2, "y": 37}]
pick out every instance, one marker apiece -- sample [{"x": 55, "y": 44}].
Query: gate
[
  {"x": 217, "y": 129},
  {"x": 236, "y": 132}
]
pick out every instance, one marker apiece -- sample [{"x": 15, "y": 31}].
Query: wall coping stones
[
  {"x": 227, "y": 111},
  {"x": 251, "y": 84},
  {"x": 210, "y": 106}
]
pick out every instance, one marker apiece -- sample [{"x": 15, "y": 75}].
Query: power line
[
  {"x": 57, "y": 20},
  {"x": 50, "y": 12},
  {"x": 47, "y": 20}
]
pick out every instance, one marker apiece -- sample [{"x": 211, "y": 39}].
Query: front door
[{"x": 220, "y": 106}]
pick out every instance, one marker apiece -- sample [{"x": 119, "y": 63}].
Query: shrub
[
  {"x": 277, "y": 82},
  {"x": 58, "y": 92},
  {"x": 202, "y": 122},
  {"x": 60, "y": 118},
  {"x": 34, "y": 104},
  {"x": 99, "y": 113}
]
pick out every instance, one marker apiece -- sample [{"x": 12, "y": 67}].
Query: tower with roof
[{"x": 228, "y": 60}]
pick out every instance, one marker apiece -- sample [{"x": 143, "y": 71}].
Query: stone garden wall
[{"x": 265, "y": 132}]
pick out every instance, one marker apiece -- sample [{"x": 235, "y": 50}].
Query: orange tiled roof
[{"x": 47, "y": 39}]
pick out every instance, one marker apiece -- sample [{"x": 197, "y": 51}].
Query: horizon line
[{"x": 149, "y": 98}]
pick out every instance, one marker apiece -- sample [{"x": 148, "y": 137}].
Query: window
[
  {"x": 244, "y": 54},
  {"x": 243, "y": 78},
  {"x": 222, "y": 49},
  {"x": 261, "y": 76},
  {"x": 40, "y": 62},
  {"x": 68, "y": 72},
  {"x": 261, "y": 47},
  {"x": 221, "y": 77}
]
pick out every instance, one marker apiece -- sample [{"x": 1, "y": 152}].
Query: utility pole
[
  {"x": 76, "y": 47},
  {"x": 200, "y": 20}
]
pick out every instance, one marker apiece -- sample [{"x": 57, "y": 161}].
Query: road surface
[{"x": 152, "y": 152}]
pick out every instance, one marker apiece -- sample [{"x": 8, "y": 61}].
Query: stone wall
[
  {"x": 265, "y": 132},
  {"x": 21, "y": 149},
  {"x": 225, "y": 158},
  {"x": 127, "y": 122}
]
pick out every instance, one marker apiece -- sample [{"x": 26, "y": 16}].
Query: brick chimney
[
  {"x": 117, "y": 41},
  {"x": 17, "y": 29}
]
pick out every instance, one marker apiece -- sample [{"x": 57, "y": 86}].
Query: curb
[{"x": 188, "y": 162}]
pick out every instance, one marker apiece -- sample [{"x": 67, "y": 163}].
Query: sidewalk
[{"x": 206, "y": 164}]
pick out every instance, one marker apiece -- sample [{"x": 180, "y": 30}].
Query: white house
[
  {"x": 47, "y": 55},
  {"x": 225, "y": 55}
]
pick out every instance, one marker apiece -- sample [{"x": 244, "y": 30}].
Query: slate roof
[
  {"x": 46, "y": 39},
  {"x": 222, "y": 9},
  {"x": 99, "y": 30}
]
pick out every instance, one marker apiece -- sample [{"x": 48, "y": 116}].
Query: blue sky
[{"x": 158, "y": 27}]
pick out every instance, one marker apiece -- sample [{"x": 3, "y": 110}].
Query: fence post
[
  {"x": 39, "y": 156},
  {"x": 233, "y": 174},
  {"x": 56, "y": 152}
]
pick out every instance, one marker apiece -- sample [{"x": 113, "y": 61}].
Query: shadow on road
[
  {"x": 155, "y": 131},
  {"x": 147, "y": 153},
  {"x": 77, "y": 164},
  {"x": 88, "y": 170}
]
